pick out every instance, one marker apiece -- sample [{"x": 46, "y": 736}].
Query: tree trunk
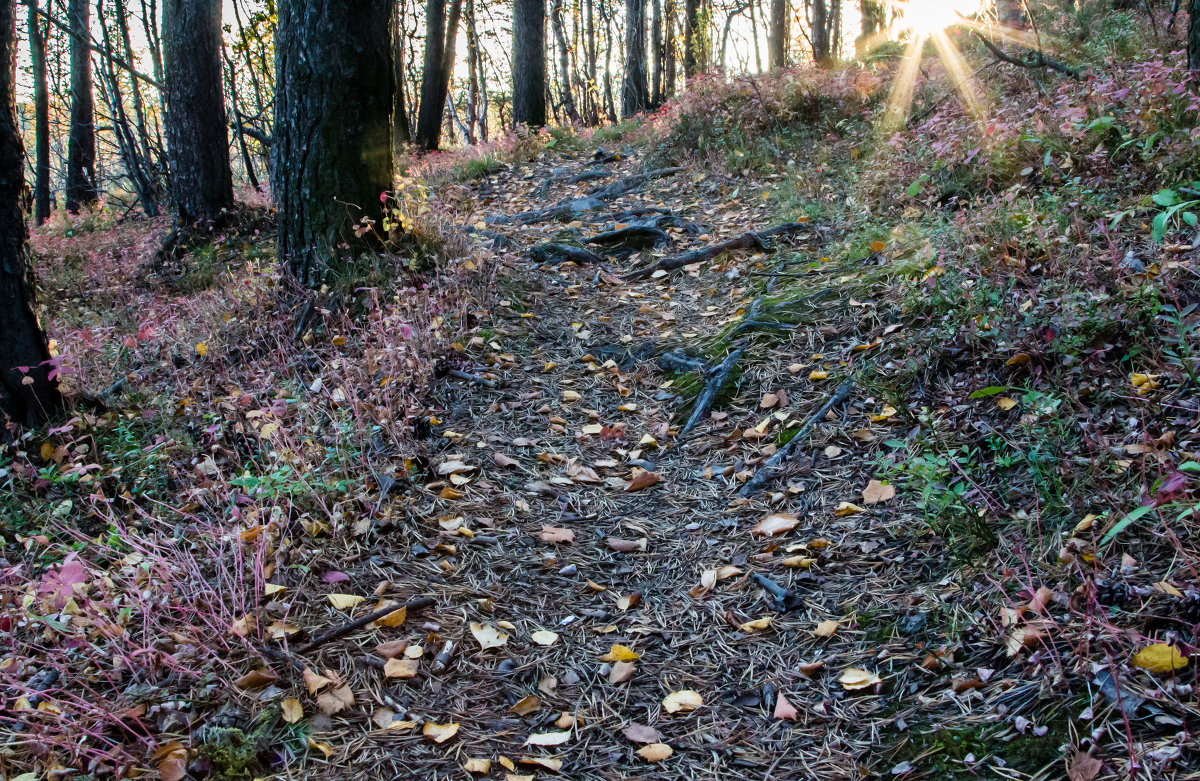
[
  {"x": 635, "y": 94},
  {"x": 693, "y": 59},
  {"x": 401, "y": 130},
  {"x": 778, "y": 44},
  {"x": 820, "y": 32},
  {"x": 27, "y": 392},
  {"x": 564, "y": 63},
  {"x": 529, "y": 62},
  {"x": 333, "y": 132},
  {"x": 1193, "y": 43},
  {"x": 593, "y": 87},
  {"x": 669, "y": 73},
  {"x": 41, "y": 118},
  {"x": 81, "y": 190},
  {"x": 197, "y": 131},
  {"x": 440, "y": 36},
  {"x": 656, "y": 53},
  {"x": 473, "y": 117},
  {"x": 754, "y": 30}
]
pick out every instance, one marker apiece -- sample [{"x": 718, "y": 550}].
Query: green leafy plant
[{"x": 1177, "y": 204}]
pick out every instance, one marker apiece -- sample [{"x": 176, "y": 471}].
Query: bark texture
[
  {"x": 781, "y": 13},
  {"x": 41, "y": 117},
  {"x": 1193, "y": 46},
  {"x": 332, "y": 145},
  {"x": 441, "y": 32},
  {"x": 27, "y": 394},
  {"x": 81, "y": 189},
  {"x": 693, "y": 39},
  {"x": 197, "y": 130},
  {"x": 635, "y": 91},
  {"x": 529, "y": 62}
]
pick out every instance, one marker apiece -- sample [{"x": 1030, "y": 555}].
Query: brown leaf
[
  {"x": 526, "y": 705},
  {"x": 877, "y": 492},
  {"x": 641, "y": 733},
  {"x": 503, "y": 460},
  {"x": 335, "y": 700},
  {"x": 627, "y": 546},
  {"x": 172, "y": 761},
  {"x": 292, "y": 710},
  {"x": 391, "y": 649},
  {"x": 257, "y": 679},
  {"x": 784, "y": 709},
  {"x": 642, "y": 481},
  {"x": 621, "y": 672},
  {"x": 774, "y": 524},
  {"x": 556, "y": 534},
  {"x": 655, "y": 752},
  {"x": 314, "y": 682},
  {"x": 401, "y": 668},
  {"x": 439, "y": 733},
  {"x": 1083, "y": 767}
]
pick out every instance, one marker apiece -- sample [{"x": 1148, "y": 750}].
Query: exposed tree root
[
  {"x": 749, "y": 240},
  {"x": 716, "y": 379},
  {"x": 774, "y": 465},
  {"x": 554, "y": 252}
]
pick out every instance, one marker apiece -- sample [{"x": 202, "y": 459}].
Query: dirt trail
[{"x": 671, "y": 571}]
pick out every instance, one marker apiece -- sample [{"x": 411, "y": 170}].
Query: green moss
[{"x": 941, "y": 753}]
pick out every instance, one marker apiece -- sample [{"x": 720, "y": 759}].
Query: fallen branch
[
  {"x": 554, "y": 252},
  {"x": 633, "y": 236},
  {"x": 1039, "y": 59},
  {"x": 749, "y": 240},
  {"x": 416, "y": 603},
  {"x": 622, "y": 186},
  {"x": 478, "y": 379},
  {"x": 706, "y": 398},
  {"x": 774, "y": 465}
]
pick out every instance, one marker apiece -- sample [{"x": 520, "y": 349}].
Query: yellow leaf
[
  {"x": 201, "y": 349},
  {"x": 488, "y": 635},
  {"x": 401, "y": 668},
  {"x": 393, "y": 619},
  {"x": 1020, "y": 359},
  {"x": 847, "y": 508},
  {"x": 887, "y": 412},
  {"x": 655, "y": 752},
  {"x": 818, "y": 375},
  {"x": 526, "y": 705},
  {"x": 544, "y": 637},
  {"x": 775, "y": 523},
  {"x": 756, "y": 625},
  {"x": 826, "y": 628},
  {"x": 620, "y": 653},
  {"x": 1159, "y": 658},
  {"x": 439, "y": 733},
  {"x": 853, "y": 679},
  {"x": 344, "y": 601},
  {"x": 878, "y": 246},
  {"x": 292, "y": 710},
  {"x": 1005, "y": 403},
  {"x": 548, "y": 738},
  {"x": 682, "y": 701},
  {"x": 480, "y": 767}
]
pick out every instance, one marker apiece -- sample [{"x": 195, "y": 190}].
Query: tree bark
[
  {"x": 41, "y": 118},
  {"x": 1193, "y": 45},
  {"x": 440, "y": 35},
  {"x": 81, "y": 190},
  {"x": 693, "y": 55},
  {"x": 564, "y": 63},
  {"x": 635, "y": 94},
  {"x": 28, "y": 393},
  {"x": 401, "y": 129},
  {"x": 820, "y": 32},
  {"x": 529, "y": 62},
  {"x": 332, "y": 145},
  {"x": 197, "y": 129},
  {"x": 778, "y": 43},
  {"x": 656, "y": 53}
]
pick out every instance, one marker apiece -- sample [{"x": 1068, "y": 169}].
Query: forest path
[{"x": 593, "y": 520}]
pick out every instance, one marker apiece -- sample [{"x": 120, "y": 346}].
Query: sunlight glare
[{"x": 925, "y": 17}]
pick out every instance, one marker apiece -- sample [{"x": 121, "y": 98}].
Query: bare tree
[
  {"x": 529, "y": 62},
  {"x": 81, "y": 189},
  {"x": 635, "y": 93}
]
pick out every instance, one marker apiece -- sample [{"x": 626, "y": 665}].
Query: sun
[{"x": 926, "y": 17}]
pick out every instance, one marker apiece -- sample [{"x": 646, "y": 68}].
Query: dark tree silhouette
[
  {"x": 41, "y": 117},
  {"x": 693, "y": 39},
  {"x": 440, "y": 34},
  {"x": 777, "y": 43},
  {"x": 529, "y": 62},
  {"x": 1193, "y": 46},
  {"x": 27, "y": 393},
  {"x": 635, "y": 91},
  {"x": 81, "y": 190},
  {"x": 332, "y": 145},
  {"x": 197, "y": 132}
]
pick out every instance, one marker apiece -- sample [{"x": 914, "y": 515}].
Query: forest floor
[{"x": 952, "y": 577}]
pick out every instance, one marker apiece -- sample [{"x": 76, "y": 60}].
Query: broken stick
[
  {"x": 416, "y": 603},
  {"x": 774, "y": 465}
]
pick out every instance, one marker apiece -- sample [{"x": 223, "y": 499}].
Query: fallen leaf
[
  {"x": 847, "y": 508},
  {"x": 439, "y": 733},
  {"x": 627, "y": 546},
  {"x": 641, "y": 733},
  {"x": 1083, "y": 767},
  {"x": 479, "y": 767},
  {"x": 257, "y": 679},
  {"x": 392, "y": 648},
  {"x": 488, "y": 635},
  {"x": 784, "y": 709},
  {"x": 826, "y": 628},
  {"x": 620, "y": 653},
  {"x": 877, "y": 492},
  {"x": 550, "y": 763},
  {"x": 628, "y": 601},
  {"x": 655, "y": 752},
  {"x": 756, "y": 625},
  {"x": 621, "y": 672},
  {"x": 393, "y": 619},
  {"x": 853, "y": 679},
  {"x": 643, "y": 480},
  {"x": 556, "y": 534},
  {"x": 682, "y": 701},
  {"x": 1159, "y": 658},
  {"x": 544, "y": 637},
  {"x": 314, "y": 682},
  {"x": 526, "y": 705},
  {"x": 292, "y": 710},
  {"x": 171, "y": 759},
  {"x": 344, "y": 601},
  {"x": 401, "y": 668},
  {"x": 548, "y": 738},
  {"x": 1005, "y": 403},
  {"x": 775, "y": 523},
  {"x": 335, "y": 700}
]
